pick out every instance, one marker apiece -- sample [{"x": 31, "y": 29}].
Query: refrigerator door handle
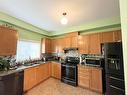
[
  {"x": 111, "y": 77},
  {"x": 116, "y": 88}
]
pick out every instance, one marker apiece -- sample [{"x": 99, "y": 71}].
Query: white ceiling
[{"x": 46, "y": 14}]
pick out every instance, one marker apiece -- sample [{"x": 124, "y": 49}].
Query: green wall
[
  {"x": 106, "y": 24},
  {"x": 123, "y": 12},
  {"x": 25, "y": 34}
]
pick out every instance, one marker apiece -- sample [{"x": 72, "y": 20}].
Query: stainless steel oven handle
[
  {"x": 69, "y": 66},
  {"x": 116, "y": 87},
  {"x": 115, "y": 78}
]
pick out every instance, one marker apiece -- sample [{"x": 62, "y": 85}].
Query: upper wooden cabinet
[
  {"x": 117, "y": 35},
  {"x": 57, "y": 45},
  {"x": 91, "y": 43},
  {"x": 71, "y": 40},
  {"x": 95, "y": 44},
  {"x": 8, "y": 41},
  {"x": 54, "y": 45},
  {"x": 107, "y": 37},
  {"x": 112, "y": 36},
  {"x": 46, "y": 45},
  {"x": 83, "y": 44}
]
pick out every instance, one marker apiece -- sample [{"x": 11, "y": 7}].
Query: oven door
[{"x": 69, "y": 72}]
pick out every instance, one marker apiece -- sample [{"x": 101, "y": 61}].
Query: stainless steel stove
[{"x": 69, "y": 70}]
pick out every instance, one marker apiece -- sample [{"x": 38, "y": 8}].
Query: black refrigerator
[{"x": 114, "y": 70}]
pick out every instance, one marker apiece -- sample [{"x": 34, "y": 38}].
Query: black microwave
[{"x": 99, "y": 62}]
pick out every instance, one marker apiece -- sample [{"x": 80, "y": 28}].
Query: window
[{"x": 27, "y": 49}]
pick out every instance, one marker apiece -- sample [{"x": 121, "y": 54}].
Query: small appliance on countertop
[
  {"x": 92, "y": 60},
  {"x": 69, "y": 70}
]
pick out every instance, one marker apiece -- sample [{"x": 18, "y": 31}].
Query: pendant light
[{"x": 64, "y": 20}]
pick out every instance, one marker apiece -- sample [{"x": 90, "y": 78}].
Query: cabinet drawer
[
  {"x": 84, "y": 74},
  {"x": 84, "y": 71},
  {"x": 84, "y": 81}
]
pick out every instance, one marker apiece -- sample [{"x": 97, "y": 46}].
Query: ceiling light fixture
[{"x": 64, "y": 20}]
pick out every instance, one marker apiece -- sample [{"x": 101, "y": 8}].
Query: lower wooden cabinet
[
  {"x": 96, "y": 80},
  {"x": 90, "y": 78},
  {"x": 56, "y": 70},
  {"x": 29, "y": 78},
  {"x": 35, "y": 75},
  {"x": 42, "y": 72}
]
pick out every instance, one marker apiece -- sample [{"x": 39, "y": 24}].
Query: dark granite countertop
[
  {"x": 90, "y": 67},
  {"x": 23, "y": 67}
]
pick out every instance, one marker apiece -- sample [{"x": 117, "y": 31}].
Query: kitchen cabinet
[
  {"x": 56, "y": 70},
  {"x": 60, "y": 44},
  {"x": 42, "y": 72},
  {"x": 67, "y": 42},
  {"x": 71, "y": 39},
  {"x": 8, "y": 41},
  {"x": 112, "y": 36},
  {"x": 91, "y": 43},
  {"x": 90, "y": 78},
  {"x": 107, "y": 37},
  {"x": 84, "y": 77},
  {"x": 74, "y": 41},
  {"x": 46, "y": 45},
  {"x": 35, "y": 75},
  {"x": 29, "y": 78},
  {"x": 117, "y": 35},
  {"x": 94, "y": 44},
  {"x": 96, "y": 80},
  {"x": 57, "y": 45},
  {"x": 54, "y": 45},
  {"x": 83, "y": 44}
]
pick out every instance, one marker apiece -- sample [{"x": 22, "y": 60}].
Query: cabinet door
[
  {"x": 107, "y": 37},
  {"x": 8, "y": 41},
  {"x": 29, "y": 78},
  {"x": 60, "y": 44},
  {"x": 56, "y": 70},
  {"x": 54, "y": 45},
  {"x": 84, "y": 81},
  {"x": 117, "y": 35},
  {"x": 84, "y": 77},
  {"x": 43, "y": 72},
  {"x": 96, "y": 80},
  {"x": 95, "y": 44},
  {"x": 74, "y": 41},
  {"x": 83, "y": 44},
  {"x": 67, "y": 42},
  {"x": 46, "y": 45}
]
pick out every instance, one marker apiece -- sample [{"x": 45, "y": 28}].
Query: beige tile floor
[{"x": 55, "y": 87}]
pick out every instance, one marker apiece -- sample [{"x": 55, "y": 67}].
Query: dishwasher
[{"x": 12, "y": 84}]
